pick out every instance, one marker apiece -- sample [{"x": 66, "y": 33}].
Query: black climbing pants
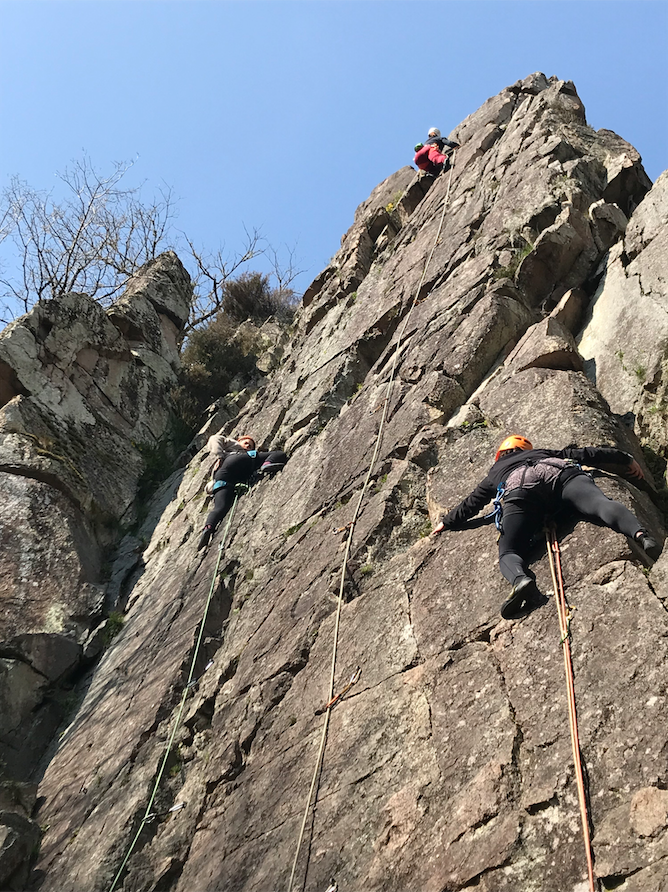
[
  {"x": 524, "y": 514},
  {"x": 237, "y": 468}
]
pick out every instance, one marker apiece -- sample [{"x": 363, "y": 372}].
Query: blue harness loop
[
  {"x": 239, "y": 488},
  {"x": 497, "y": 512}
]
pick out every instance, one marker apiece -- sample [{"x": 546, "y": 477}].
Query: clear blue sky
[{"x": 284, "y": 115}]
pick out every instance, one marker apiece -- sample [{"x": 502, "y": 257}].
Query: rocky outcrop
[
  {"x": 448, "y": 764},
  {"x": 84, "y": 396},
  {"x": 625, "y": 338}
]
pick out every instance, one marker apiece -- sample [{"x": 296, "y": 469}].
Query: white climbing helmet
[{"x": 434, "y": 131}]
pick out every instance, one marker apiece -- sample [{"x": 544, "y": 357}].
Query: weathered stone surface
[
  {"x": 50, "y": 655},
  {"x": 547, "y": 345},
  {"x": 17, "y": 797},
  {"x": 166, "y": 284},
  {"x": 625, "y": 338},
  {"x": 84, "y": 391},
  {"x": 48, "y": 562},
  {"x": 19, "y": 838},
  {"x": 20, "y": 692},
  {"x": 571, "y": 309},
  {"x": 447, "y": 765}
]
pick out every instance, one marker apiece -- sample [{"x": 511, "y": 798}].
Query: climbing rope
[
  {"x": 190, "y": 683},
  {"x": 565, "y": 614},
  {"x": 331, "y": 700}
]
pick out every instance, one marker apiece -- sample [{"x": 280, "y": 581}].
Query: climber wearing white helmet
[
  {"x": 430, "y": 156},
  {"x": 435, "y": 139}
]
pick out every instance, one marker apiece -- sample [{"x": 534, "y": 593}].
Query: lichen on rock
[{"x": 448, "y": 763}]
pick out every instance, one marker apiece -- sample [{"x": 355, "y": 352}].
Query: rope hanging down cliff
[
  {"x": 190, "y": 683},
  {"x": 565, "y": 629},
  {"x": 331, "y": 700}
]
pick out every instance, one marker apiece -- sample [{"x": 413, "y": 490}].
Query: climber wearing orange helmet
[{"x": 531, "y": 483}]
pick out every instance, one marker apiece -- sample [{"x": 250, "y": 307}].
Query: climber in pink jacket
[{"x": 431, "y": 157}]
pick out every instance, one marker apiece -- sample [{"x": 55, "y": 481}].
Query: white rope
[{"x": 356, "y": 514}]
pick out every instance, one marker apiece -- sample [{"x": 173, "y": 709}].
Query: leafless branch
[
  {"x": 285, "y": 271},
  {"x": 91, "y": 241},
  {"x": 214, "y": 270}
]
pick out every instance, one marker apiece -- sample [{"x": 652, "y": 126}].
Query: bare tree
[
  {"x": 213, "y": 271},
  {"x": 99, "y": 234},
  {"x": 91, "y": 241},
  {"x": 284, "y": 271},
  {"x": 217, "y": 274}
]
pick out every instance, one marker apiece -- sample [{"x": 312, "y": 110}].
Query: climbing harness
[
  {"x": 331, "y": 699},
  {"x": 543, "y": 472},
  {"x": 213, "y": 486},
  {"x": 149, "y": 815},
  {"x": 497, "y": 511},
  {"x": 565, "y": 615}
]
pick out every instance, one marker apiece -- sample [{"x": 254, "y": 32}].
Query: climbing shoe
[
  {"x": 523, "y": 592},
  {"x": 205, "y": 538},
  {"x": 270, "y": 467},
  {"x": 649, "y": 545}
]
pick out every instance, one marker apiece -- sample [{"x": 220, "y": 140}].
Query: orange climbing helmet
[{"x": 514, "y": 441}]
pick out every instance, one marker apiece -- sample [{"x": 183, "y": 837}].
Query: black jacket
[
  {"x": 441, "y": 142},
  {"x": 485, "y": 491}
]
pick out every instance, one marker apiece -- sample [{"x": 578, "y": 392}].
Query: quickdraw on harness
[{"x": 497, "y": 512}]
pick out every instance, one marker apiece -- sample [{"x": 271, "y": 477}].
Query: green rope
[{"x": 147, "y": 814}]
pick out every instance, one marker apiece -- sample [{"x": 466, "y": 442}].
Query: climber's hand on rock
[
  {"x": 635, "y": 470},
  {"x": 438, "y": 529}
]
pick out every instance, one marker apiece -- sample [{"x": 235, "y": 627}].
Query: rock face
[
  {"x": 448, "y": 764},
  {"x": 84, "y": 396},
  {"x": 625, "y": 340}
]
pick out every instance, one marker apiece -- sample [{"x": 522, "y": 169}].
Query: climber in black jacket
[
  {"x": 237, "y": 461},
  {"x": 530, "y": 483}
]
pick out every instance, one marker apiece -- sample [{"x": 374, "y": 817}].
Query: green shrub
[
  {"x": 250, "y": 296},
  {"x": 115, "y": 622},
  {"x": 222, "y": 351},
  {"x": 212, "y": 359},
  {"x": 508, "y": 272}
]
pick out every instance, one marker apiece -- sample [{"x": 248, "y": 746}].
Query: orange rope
[{"x": 564, "y": 626}]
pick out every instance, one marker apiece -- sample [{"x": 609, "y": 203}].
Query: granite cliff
[{"x": 448, "y": 764}]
